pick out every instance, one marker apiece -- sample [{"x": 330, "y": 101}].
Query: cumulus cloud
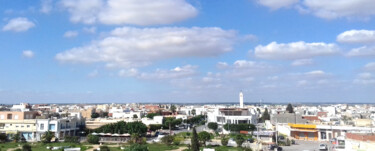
[
  {"x": 46, "y": 6},
  {"x": 246, "y": 68},
  {"x": 294, "y": 50},
  {"x": 138, "y": 12},
  {"x": 28, "y": 54},
  {"x": 19, "y": 24},
  {"x": 370, "y": 66},
  {"x": 175, "y": 73},
  {"x": 365, "y": 78},
  {"x": 136, "y": 47},
  {"x": 357, "y": 36},
  {"x": 302, "y": 62},
  {"x": 276, "y": 4},
  {"x": 70, "y": 34},
  {"x": 90, "y": 30},
  {"x": 364, "y": 51}
]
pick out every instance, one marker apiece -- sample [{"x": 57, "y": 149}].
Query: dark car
[{"x": 251, "y": 140}]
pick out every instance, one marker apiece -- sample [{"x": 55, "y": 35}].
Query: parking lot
[{"x": 305, "y": 146}]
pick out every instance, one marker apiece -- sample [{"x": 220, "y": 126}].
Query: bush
[
  {"x": 26, "y": 147},
  {"x": 137, "y": 147},
  {"x": 212, "y": 125},
  {"x": 93, "y": 139},
  {"x": 167, "y": 140},
  {"x": 104, "y": 148},
  {"x": 154, "y": 127},
  {"x": 204, "y": 137},
  {"x": 239, "y": 139},
  {"x": 224, "y": 141}
]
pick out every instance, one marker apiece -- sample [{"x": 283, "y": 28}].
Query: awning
[{"x": 302, "y": 130}]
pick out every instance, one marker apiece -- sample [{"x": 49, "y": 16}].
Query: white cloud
[
  {"x": 132, "y": 72},
  {"x": 46, "y": 6},
  {"x": 302, "y": 62},
  {"x": 137, "y": 47},
  {"x": 332, "y": 9},
  {"x": 276, "y": 4},
  {"x": 362, "y": 52},
  {"x": 316, "y": 73},
  {"x": 138, "y": 12},
  {"x": 175, "y": 73},
  {"x": 94, "y": 73},
  {"x": 294, "y": 50},
  {"x": 70, "y": 34},
  {"x": 357, "y": 36},
  {"x": 19, "y": 24},
  {"x": 90, "y": 30},
  {"x": 365, "y": 79},
  {"x": 28, "y": 54},
  {"x": 370, "y": 66},
  {"x": 245, "y": 68}
]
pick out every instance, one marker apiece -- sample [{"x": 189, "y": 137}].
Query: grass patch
[
  {"x": 162, "y": 147},
  {"x": 8, "y": 145}
]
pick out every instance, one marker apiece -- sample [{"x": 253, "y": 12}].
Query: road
[{"x": 305, "y": 146}]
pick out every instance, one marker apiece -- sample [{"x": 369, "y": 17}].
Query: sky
[{"x": 187, "y": 51}]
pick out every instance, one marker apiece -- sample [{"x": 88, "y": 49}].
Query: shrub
[
  {"x": 26, "y": 147},
  {"x": 239, "y": 139},
  {"x": 212, "y": 125},
  {"x": 104, "y": 148},
  {"x": 224, "y": 141},
  {"x": 93, "y": 139},
  {"x": 167, "y": 140}
]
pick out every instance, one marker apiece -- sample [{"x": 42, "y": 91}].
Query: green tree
[
  {"x": 135, "y": 138},
  {"x": 212, "y": 125},
  {"x": 167, "y": 140},
  {"x": 193, "y": 111},
  {"x": 154, "y": 127},
  {"x": 289, "y": 108},
  {"x": 224, "y": 141},
  {"x": 173, "y": 108},
  {"x": 94, "y": 115},
  {"x": 265, "y": 115},
  {"x": 194, "y": 141},
  {"x": 204, "y": 137},
  {"x": 239, "y": 127},
  {"x": 239, "y": 139},
  {"x": 93, "y": 139},
  {"x": 26, "y": 147},
  {"x": 16, "y": 137},
  {"x": 151, "y": 115},
  {"x": 136, "y": 127},
  {"x": 135, "y": 116},
  {"x": 47, "y": 137}
]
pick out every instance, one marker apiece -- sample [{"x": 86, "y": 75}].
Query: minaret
[{"x": 241, "y": 99}]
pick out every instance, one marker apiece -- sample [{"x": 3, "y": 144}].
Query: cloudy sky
[{"x": 79, "y": 51}]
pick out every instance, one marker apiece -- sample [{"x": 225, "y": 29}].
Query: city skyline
[{"x": 187, "y": 51}]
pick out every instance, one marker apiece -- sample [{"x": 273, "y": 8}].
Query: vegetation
[
  {"x": 94, "y": 115},
  {"x": 204, "y": 137},
  {"x": 3, "y": 137},
  {"x": 193, "y": 112},
  {"x": 265, "y": 116},
  {"x": 173, "y": 108},
  {"x": 151, "y": 115},
  {"x": 289, "y": 108},
  {"x": 195, "y": 119},
  {"x": 26, "y": 147},
  {"x": 171, "y": 121},
  {"x": 93, "y": 139},
  {"x": 154, "y": 127},
  {"x": 212, "y": 125},
  {"x": 224, "y": 141},
  {"x": 239, "y": 127},
  {"x": 239, "y": 139},
  {"x": 137, "y": 147},
  {"x": 167, "y": 140},
  {"x": 123, "y": 127},
  {"x": 135, "y": 116},
  {"x": 16, "y": 137},
  {"x": 47, "y": 137},
  {"x": 194, "y": 141},
  {"x": 71, "y": 139},
  {"x": 104, "y": 148}
]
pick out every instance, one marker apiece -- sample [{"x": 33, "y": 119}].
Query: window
[
  {"x": 9, "y": 116},
  {"x": 28, "y": 126},
  {"x": 2, "y": 117},
  {"x": 41, "y": 126},
  {"x": 16, "y": 117},
  {"x": 52, "y": 127},
  {"x": 22, "y": 126},
  {"x": 2, "y": 125}
]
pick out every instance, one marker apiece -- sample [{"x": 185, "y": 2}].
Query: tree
[
  {"x": 204, "y": 137},
  {"x": 151, "y": 115},
  {"x": 16, "y": 137},
  {"x": 135, "y": 138},
  {"x": 173, "y": 108},
  {"x": 47, "y": 137},
  {"x": 93, "y": 139},
  {"x": 289, "y": 108},
  {"x": 154, "y": 127},
  {"x": 194, "y": 141},
  {"x": 224, "y": 141},
  {"x": 3, "y": 137},
  {"x": 26, "y": 147},
  {"x": 239, "y": 127},
  {"x": 193, "y": 111},
  {"x": 239, "y": 139},
  {"x": 265, "y": 115},
  {"x": 167, "y": 140},
  {"x": 212, "y": 125},
  {"x": 94, "y": 115},
  {"x": 135, "y": 116},
  {"x": 136, "y": 127}
]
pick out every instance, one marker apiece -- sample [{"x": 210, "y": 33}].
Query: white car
[
  {"x": 232, "y": 143},
  {"x": 323, "y": 147}
]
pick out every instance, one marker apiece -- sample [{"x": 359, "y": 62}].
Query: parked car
[
  {"x": 323, "y": 147},
  {"x": 232, "y": 143}
]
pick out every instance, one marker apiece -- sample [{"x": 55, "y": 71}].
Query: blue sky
[{"x": 98, "y": 51}]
